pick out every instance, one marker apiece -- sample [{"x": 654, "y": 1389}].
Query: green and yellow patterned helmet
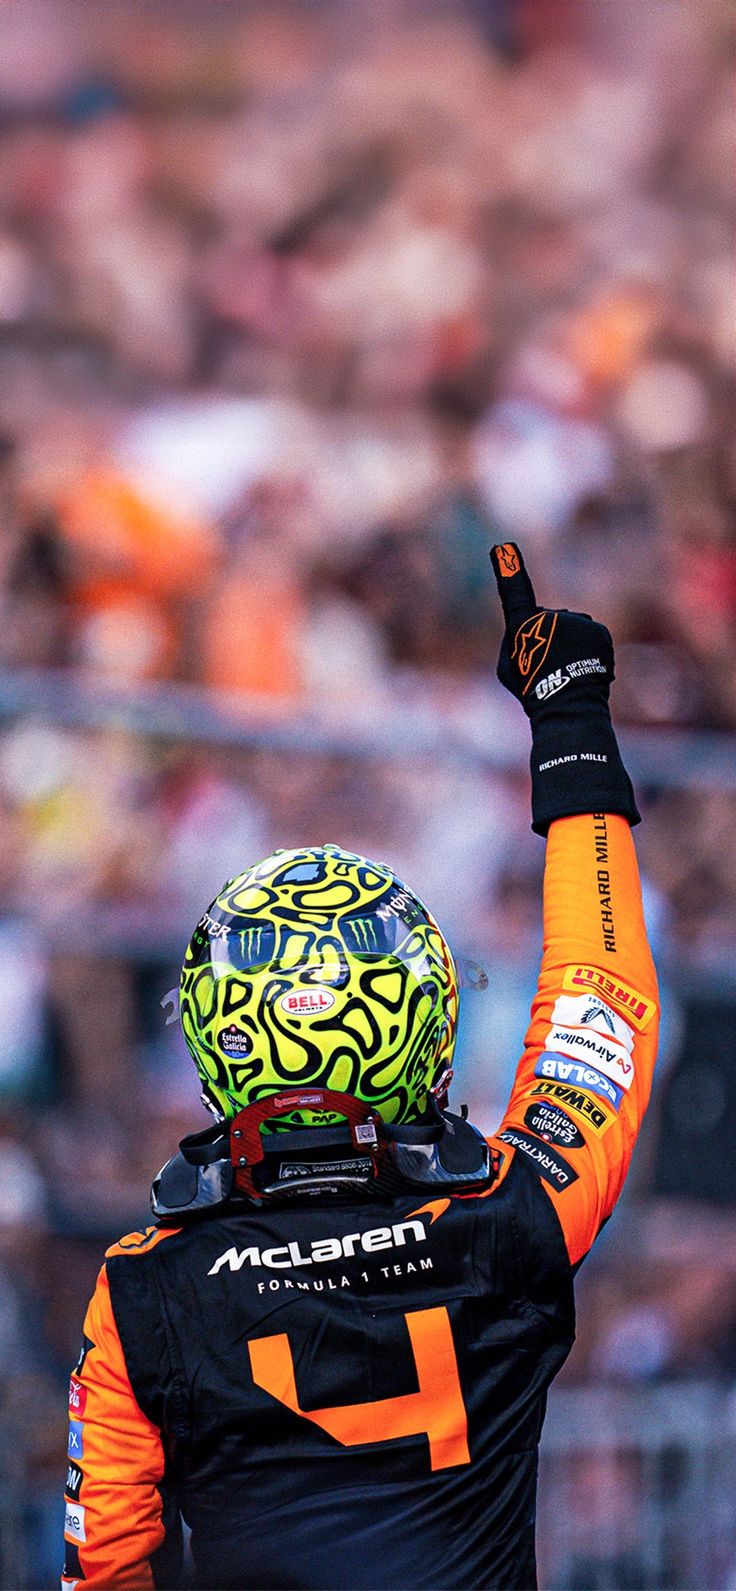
[{"x": 317, "y": 968}]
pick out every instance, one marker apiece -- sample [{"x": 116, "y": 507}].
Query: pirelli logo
[
  {"x": 590, "y": 1110},
  {"x": 638, "y": 1008}
]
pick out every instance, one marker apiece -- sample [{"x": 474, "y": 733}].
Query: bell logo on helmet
[{"x": 306, "y": 1002}]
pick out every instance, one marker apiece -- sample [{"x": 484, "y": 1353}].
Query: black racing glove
[{"x": 559, "y": 665}]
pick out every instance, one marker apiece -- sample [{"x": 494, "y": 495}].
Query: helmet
[{"x": 318, "y": 968}]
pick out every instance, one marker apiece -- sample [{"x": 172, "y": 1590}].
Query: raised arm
[{"x": 583, "y": 1082}]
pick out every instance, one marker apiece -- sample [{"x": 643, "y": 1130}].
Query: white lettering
[
  {"x": 380, "y": 1238},
  {"x": 402, "y": 1228},
  {"x": 609, "y": 1056},
  {"x": 322, "y": 1250},
  {"x": 329, "y": 1248},
  {"x": 236, "y": 1260},
  {"x": 74, "y": 1522},
  {"x": 394, "y": 907},
  {"x": 297, "y": 1258},
  {"x": 269, "y": 1258}
]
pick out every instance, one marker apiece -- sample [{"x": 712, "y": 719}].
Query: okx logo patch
[{"x": 532, "y": 643}]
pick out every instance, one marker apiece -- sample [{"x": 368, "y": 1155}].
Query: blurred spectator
[{"x": 297, "y": 314}]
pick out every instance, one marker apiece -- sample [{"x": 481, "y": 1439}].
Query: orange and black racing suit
[{"x": 351, "y": 1394}]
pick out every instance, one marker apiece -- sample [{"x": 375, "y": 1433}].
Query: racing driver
[{"x": 331, "y": 1352}]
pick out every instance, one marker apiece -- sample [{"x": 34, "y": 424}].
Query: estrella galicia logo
[
  {"x": 236, "y": 1044},
  {"x": 532, "y": 643},
  {"x": 75, "y": 1445},
  {"x": 554, "y": 1125}
]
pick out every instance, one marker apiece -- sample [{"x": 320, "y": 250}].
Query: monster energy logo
[
  {"x": 250, "y": 944},
  {"x": 364, "y": 932},
  {"x": 215, "y": 929},
  {"x": 400, "y": 905}
]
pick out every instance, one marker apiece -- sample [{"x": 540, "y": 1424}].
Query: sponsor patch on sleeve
[
  {"x": 558, "y": 1068},
  {"x": 606, "y": 1055},
  {"x": 545, "y": 1160},
  {"x": 74, "y": 1522},
  {"x": 580, "y": 978},
  {"x": 77, "y": 1398},
  {"x": 73, "y": 1483},
  {"x": 592, "y": 1012},
  {"x": 75, "y": 1445},
  {"x": 553, "y": 1124},
  {"x": 586, "y": 1107}
]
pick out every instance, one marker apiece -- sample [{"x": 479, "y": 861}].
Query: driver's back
[{"x": 352, "y": 1396}]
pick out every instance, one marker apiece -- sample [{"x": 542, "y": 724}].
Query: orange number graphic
[{"x": 436, "y": 1410}]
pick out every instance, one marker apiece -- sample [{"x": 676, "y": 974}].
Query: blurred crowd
[{"x": 300, "y": 307}]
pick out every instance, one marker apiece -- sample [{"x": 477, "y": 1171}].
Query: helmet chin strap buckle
[{"x": 247, "y": 1148}]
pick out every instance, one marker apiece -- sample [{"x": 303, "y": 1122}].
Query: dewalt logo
[{"x": 590, "y": 1110}]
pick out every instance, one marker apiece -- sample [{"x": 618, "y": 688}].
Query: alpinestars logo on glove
[
  {"x": 508, "y": 560},
  {"x": 532, "y": 643}
]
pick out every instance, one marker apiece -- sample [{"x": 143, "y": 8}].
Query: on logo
[{"x": 553, "y": 682}]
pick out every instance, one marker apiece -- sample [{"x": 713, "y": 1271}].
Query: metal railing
[
  {"x": 417, "y": 718},
  {"x": 636, "y": 1493},
  {"x": 637, "y": 1489}
]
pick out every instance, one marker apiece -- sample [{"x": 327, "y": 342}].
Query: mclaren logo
[{"x": 288, "y": 1255}]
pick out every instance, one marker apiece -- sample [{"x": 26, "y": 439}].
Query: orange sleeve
[
  {"x": 582, "y": 1085},
  {"x": 114, "y": 1509}
]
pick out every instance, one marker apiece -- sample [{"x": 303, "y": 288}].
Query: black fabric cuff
[{"x": 576, "y": 767}]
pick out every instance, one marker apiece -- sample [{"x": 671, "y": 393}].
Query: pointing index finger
[{"x": 514, "y": 586}]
